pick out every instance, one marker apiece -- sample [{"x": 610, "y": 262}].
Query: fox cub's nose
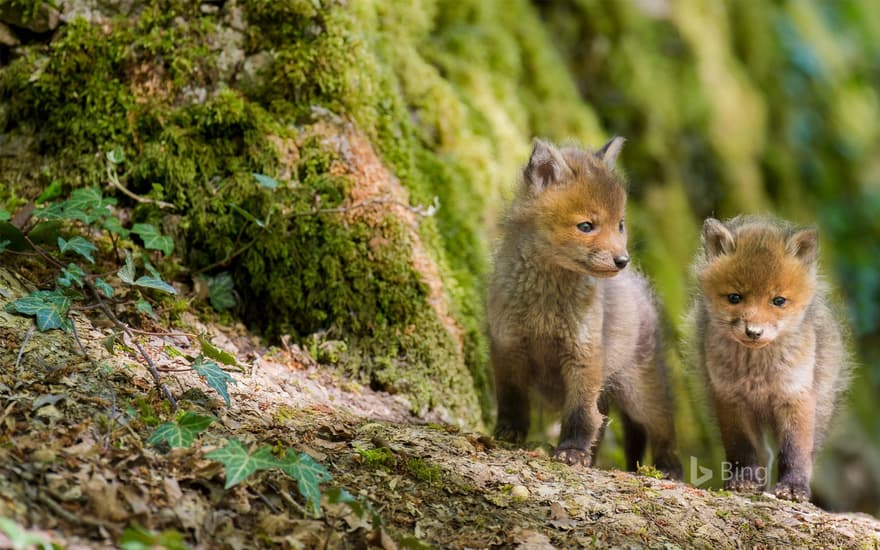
[
  {"x": 621, "y": 261},
  {"x": 754, "y": 333}
]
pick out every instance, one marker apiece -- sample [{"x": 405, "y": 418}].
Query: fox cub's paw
[
  {"x": 793, "y": 491},
  {"x": 509, "y": 434},
  {"x": 741, "y": 485},
  {"x": 573, "y": 457}
]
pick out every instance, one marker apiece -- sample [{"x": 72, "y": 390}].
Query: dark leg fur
[
  {"x": 513, "y": 413},
  {"x": 635, "y": 439},
  {"x": 740, "y": 453},
  {"x": 795, "y": 424}
]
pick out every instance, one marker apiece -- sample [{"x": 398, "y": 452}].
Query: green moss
[
  {"x": 423, "y": 471},
  {"x": 380, "y": 457},
  {"x": 648, "y": 470}
]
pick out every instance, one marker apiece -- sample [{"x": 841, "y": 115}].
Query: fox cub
[
  {"x": 567, "y": 320},
  {"x": 770, "y": 346}
]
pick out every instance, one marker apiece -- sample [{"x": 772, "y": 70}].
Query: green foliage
[
  {"x": 214, "y": 376},
  {"x": 48, "y": 307},
  {"x": 308, "y": 475},
  {"x": 220, "y": 291},
  {"x": 153, "y": 239},
  {"x": 213, "y": 352},
  {"x": 128, "y": 271},
  {"x": 137, "y": 537},
  {"x": 79, "y": 245},
  {"x": 240, "y": 463},
  {"x": 182, "y": 432},
  {"x": 21, "y": 538}
]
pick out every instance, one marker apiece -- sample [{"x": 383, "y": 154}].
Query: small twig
[
  {"x": 114, "y": 181},
  {"x": 27, "y": 337},
  {"x": 66, "y": 515},
  {"x": 229, "y": 257},
  {"x": 42, "y": 253},
  {"x": 268, "y": 502},
  {"x": 148, "y": 333},
  {"x": 80, "y": 344},
  {"x": 20, "y": 253}
]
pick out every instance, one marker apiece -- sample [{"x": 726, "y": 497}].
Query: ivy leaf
[
  {"x": 148, "y": 281},
  {"x": 79, "y": 245},
  {"x": 153, "y": 239},
  {"x": 49, "y": 307},
  {"x": 308, "y": 475},
  {"x": 3, "y": 244},
  {"x": 220, "y": 291},
  {"x": 87, "y": 205},
  {"x": 104, "y": 287},
  {"x": 265, "y": 181},
  {"x": 216, "y": 353},
  {"x": 181, "y": 433},
  {"x": 113, "y": 225},
  {"x": 4, "y": 215},
  {"x": 215, "y": 377},
  {"x": 71, "y": 275},
  {"x": 126, "y": 275},
  {"x": 144, "y": 307},
  {"x": 126, "y": 272},
  {"x": 239, "y": 463}
]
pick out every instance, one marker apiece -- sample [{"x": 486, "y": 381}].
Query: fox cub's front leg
[
  {"x": 795, "y": 425},
  {"x": 581, "y": 419},
  {"x": 512, "y": 393}
]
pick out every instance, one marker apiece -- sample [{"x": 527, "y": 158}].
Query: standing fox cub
[
  {"x": 566, "y": 319},
  {"x": 770, "y": 346}
]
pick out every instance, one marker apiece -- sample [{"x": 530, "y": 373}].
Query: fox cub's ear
[
  {"x": 610, "y": 151},
  {"x": 804, "y": 245},
  {"x": 717, "y": 239},
  {"x": 546, "y": 166}
]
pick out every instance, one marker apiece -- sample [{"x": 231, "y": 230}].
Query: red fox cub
[
  {"x": 567, "y": 320},
  {"x": 770, "y": 346}
]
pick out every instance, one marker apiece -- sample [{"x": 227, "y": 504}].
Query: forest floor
[{"x": 76, "y": 467}]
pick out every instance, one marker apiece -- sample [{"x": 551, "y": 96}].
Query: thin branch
[
  {"x": 225, "y": 260},
  {"x": 68, "y": 516},
  {"x": 114, "y": 181},
  {"x": 80, "y": 344},
  {"x": 27, "y": 337},
  {"x": 148, "y": 333}
]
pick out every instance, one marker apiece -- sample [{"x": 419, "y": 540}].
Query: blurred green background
[{"x": 728, "y": 107}]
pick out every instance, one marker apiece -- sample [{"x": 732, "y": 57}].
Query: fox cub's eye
[
  {"x": 734, "y": 298},
  {"x": 621, "y": 226},
  {"x": 779, "y": 301},
  {"x": 585, "y": 227}
]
